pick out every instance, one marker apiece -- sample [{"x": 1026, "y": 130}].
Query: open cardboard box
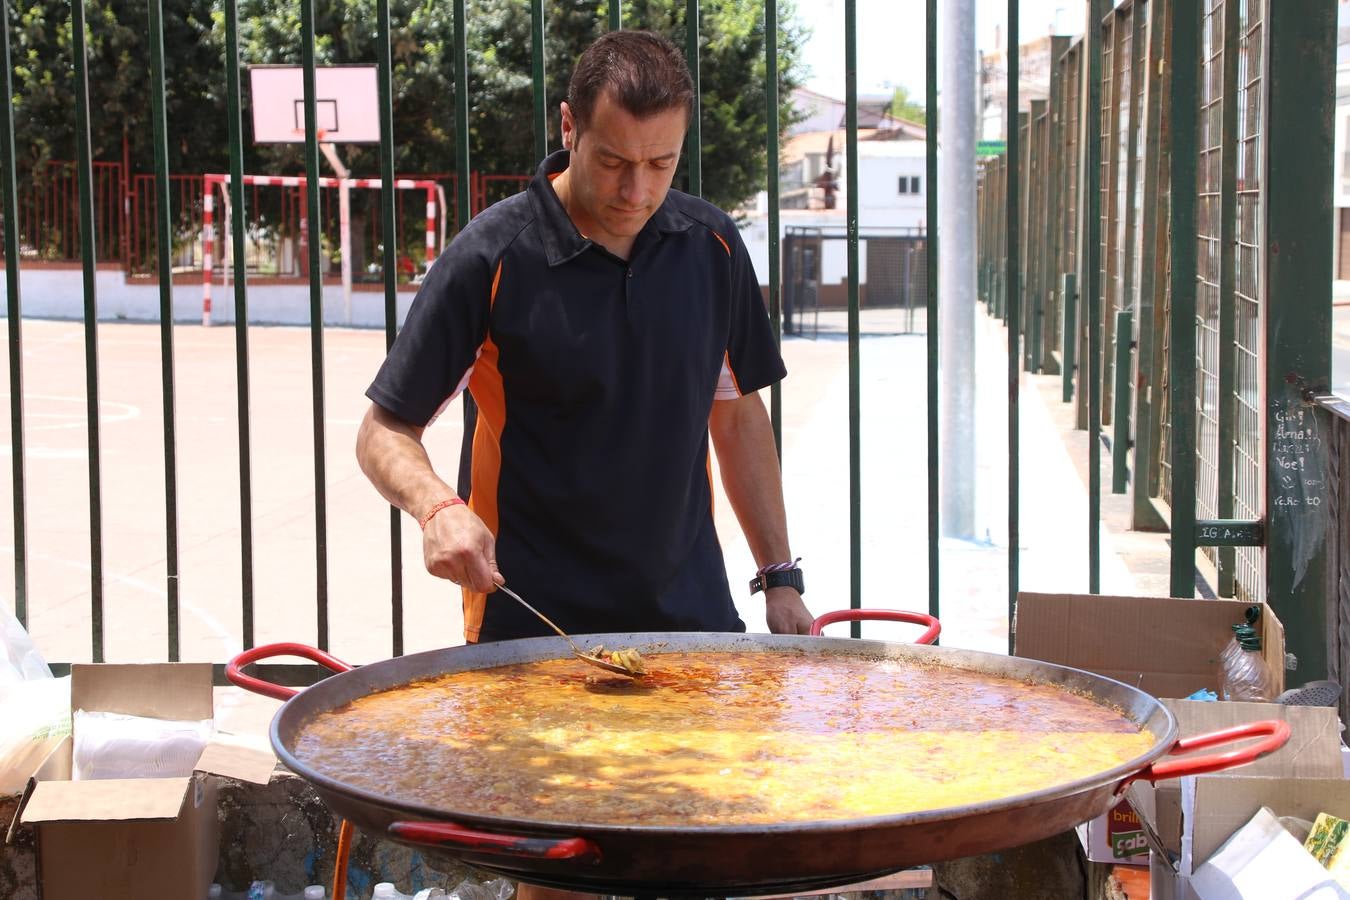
[
  {"x": 1165, "y": 646},
  {"x": 133, "y": 838},
  {"x": 1187, "y": 820}
]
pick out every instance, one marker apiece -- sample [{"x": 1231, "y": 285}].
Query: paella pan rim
[{"x": 531, "y": 649}]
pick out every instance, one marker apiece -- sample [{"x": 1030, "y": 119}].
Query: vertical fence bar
[
  {"x": 931, "y": 308},
  {"x": 1148, "y": 383},
  {"x": 88, "y": 257},
  {"x": 389, "y": 235},
  {"x": 1300, "y": 42},
  {"x": 1185, "y": 37},
  {"x": 1228, "y": 293},
  {"x": 693, "y": 141},
  {"x": 1120, "y": 418},
  {"x": 537, "y": 77},
  {"x": 615, "y": 15},
  {"x": 1014, "y": 308},
  {"x": 461, "y": 64},
  {"x": 775, "y": 268},
  {"x": 1069, "y": 293},
  {"x": 14, "y": 309},
  {"x": 236, "y": 188},
  {"x": 164, "y": 268},
  {"x": 854, "y": 360},
  {"x": 316, "y": 322},
  {"x": 1089, "y": 280}
]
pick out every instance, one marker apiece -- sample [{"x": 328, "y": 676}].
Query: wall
[{"x": 58, "y": 293}]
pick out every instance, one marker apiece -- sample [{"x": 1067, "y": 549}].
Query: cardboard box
[
  {"x": 133, "y": 838},
  {"x": 1187, "y": 820},
  {"x": 1165, "y": 646}
]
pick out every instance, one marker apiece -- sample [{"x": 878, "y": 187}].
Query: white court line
[
  {"x": 125, "y": 412},
  {"x": 231, "y": 645}
]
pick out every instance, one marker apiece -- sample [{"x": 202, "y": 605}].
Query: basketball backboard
[{"x": 345, "y": 104}]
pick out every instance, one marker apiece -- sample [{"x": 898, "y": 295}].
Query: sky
[{"x": 891, "y": 38}]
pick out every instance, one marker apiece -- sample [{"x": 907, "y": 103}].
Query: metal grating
[
  {"x": 1209, "y": 180},
  {"x": 1109, "y": 107},
  {"x": 1248, "y": 487},
  {"x": 1164, "y": 290}
]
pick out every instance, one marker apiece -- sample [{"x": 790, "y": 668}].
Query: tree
[
  {"x": 501, "y": 92},
  {"x": 905, "y": 107}
]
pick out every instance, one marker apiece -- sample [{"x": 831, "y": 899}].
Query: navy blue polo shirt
[{"x": 594, "y": 378}]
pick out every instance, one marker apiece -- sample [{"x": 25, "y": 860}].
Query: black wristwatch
[{"x": 785, "y": 578}]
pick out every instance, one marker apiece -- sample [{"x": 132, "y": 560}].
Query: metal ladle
[{"x": 577, "y": 651}]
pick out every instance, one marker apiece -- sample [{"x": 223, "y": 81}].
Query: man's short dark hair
[{"x": 645, "y": 72}]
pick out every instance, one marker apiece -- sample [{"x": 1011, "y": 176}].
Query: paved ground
[{"x": 894, "y": 558}]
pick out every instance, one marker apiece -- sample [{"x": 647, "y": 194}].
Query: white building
[{"x": 892, "y": 195}]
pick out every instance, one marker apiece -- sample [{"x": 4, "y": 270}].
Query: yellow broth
[{"x": 716, "y": 738}]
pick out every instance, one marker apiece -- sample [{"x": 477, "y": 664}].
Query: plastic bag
[
  {"x": 496, "y": 889},
  {"x": 112, "y": 745},
  {"x": 34, "y": 717},
  {"x": 19, "y": 657}
]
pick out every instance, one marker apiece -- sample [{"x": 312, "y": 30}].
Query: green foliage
[
  {"x": 903, "y": 106},
  {"x": 422, "y": 44}
]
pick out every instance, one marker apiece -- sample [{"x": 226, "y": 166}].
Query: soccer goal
[{"x": 344, "y": 187}]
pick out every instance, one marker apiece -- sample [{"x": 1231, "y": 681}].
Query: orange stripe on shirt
[
  {"x": 496, "y": 280},
  {"x": 486, "y": 387},
  {"x": 725, "y": 245}
]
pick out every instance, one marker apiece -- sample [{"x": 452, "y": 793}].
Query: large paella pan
[{"x": 744, "y": 764}]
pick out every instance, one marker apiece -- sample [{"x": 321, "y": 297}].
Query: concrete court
[{"x": 894, "y": 560}]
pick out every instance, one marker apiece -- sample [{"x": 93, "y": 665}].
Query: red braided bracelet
[{"x": 431, "y": 513}]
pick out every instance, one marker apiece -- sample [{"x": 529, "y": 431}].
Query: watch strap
[{"x": 783, "y": 578}]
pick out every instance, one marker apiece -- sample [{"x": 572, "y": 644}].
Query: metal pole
[
  {"x": 389, "y": 238},
  {"x": 932, "y": 310},
  {"x": 14, "y": 312},
  {"x": 956, "y": 268},
  {"x": 775, "y": 258},
  {"x": 854, "y": 350},
  {"x": 89, "y": 262},
  {"x": 1014, "y": 318}
]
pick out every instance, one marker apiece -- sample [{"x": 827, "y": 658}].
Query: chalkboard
[{"x": 1297, "y": 482}]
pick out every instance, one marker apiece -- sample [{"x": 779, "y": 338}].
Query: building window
[
  {"x": 909, "y": 185},
  {"x": 914, "y": 185}
]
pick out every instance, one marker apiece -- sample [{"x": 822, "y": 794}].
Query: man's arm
[
  {"x": 743, "y": 439},
  {"x": 456, "y": 545}
]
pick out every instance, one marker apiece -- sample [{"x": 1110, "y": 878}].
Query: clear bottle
[
  {"x": 385, "y": 890},
  {"x": 1246, "y": 675}
]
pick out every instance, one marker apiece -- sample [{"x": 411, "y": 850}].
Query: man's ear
[{"x": 569, "y": 127}]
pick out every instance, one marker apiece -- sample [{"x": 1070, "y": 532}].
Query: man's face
[{"x": 620, "y": 167}]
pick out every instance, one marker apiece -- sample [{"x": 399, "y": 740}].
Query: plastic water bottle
[
  {"x": 1246, "y": 675},
  {"x": 385, "y": 890},
  {"x": 315, "y": 892}
]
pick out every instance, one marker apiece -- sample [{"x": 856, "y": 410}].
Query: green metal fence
[
  {"x": 1135, "y": 236},
  {"x": 1193, "y": 361},
  {"x": 458, "y": 114}
]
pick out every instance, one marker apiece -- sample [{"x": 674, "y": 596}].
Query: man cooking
[{"x": 605, "y": 326}]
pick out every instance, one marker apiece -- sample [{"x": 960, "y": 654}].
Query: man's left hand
[{"x": 786, "y": 612}]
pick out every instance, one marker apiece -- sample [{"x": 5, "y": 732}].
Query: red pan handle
[
  {"x": 448, "y": 834},
  {"x": 1274, "y": 734},
  {"x": 234, "y": 669},
  {"x": 886, "y": 615}
]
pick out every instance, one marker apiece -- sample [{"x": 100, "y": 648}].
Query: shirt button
[{"x": 630, "y": 273}]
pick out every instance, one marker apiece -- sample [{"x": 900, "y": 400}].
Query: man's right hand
[{"x": 457, "y": 545}]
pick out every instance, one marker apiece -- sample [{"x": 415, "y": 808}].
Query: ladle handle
[
  {"x": 886, "y": 615},
  {"x": 1275, "y": 734},
  {"x": 547, "y": 621},
  {"x": 234, "y": 669},
  {"x": 449, "y": 834}
]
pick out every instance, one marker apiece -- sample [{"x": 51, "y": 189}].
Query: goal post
[{"x": 220, "y": 182}]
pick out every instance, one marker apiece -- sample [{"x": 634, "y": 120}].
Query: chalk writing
[{"x": 1297, "y": 480}]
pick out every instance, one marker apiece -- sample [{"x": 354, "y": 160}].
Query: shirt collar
[{"x": 562, "y": 242}]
